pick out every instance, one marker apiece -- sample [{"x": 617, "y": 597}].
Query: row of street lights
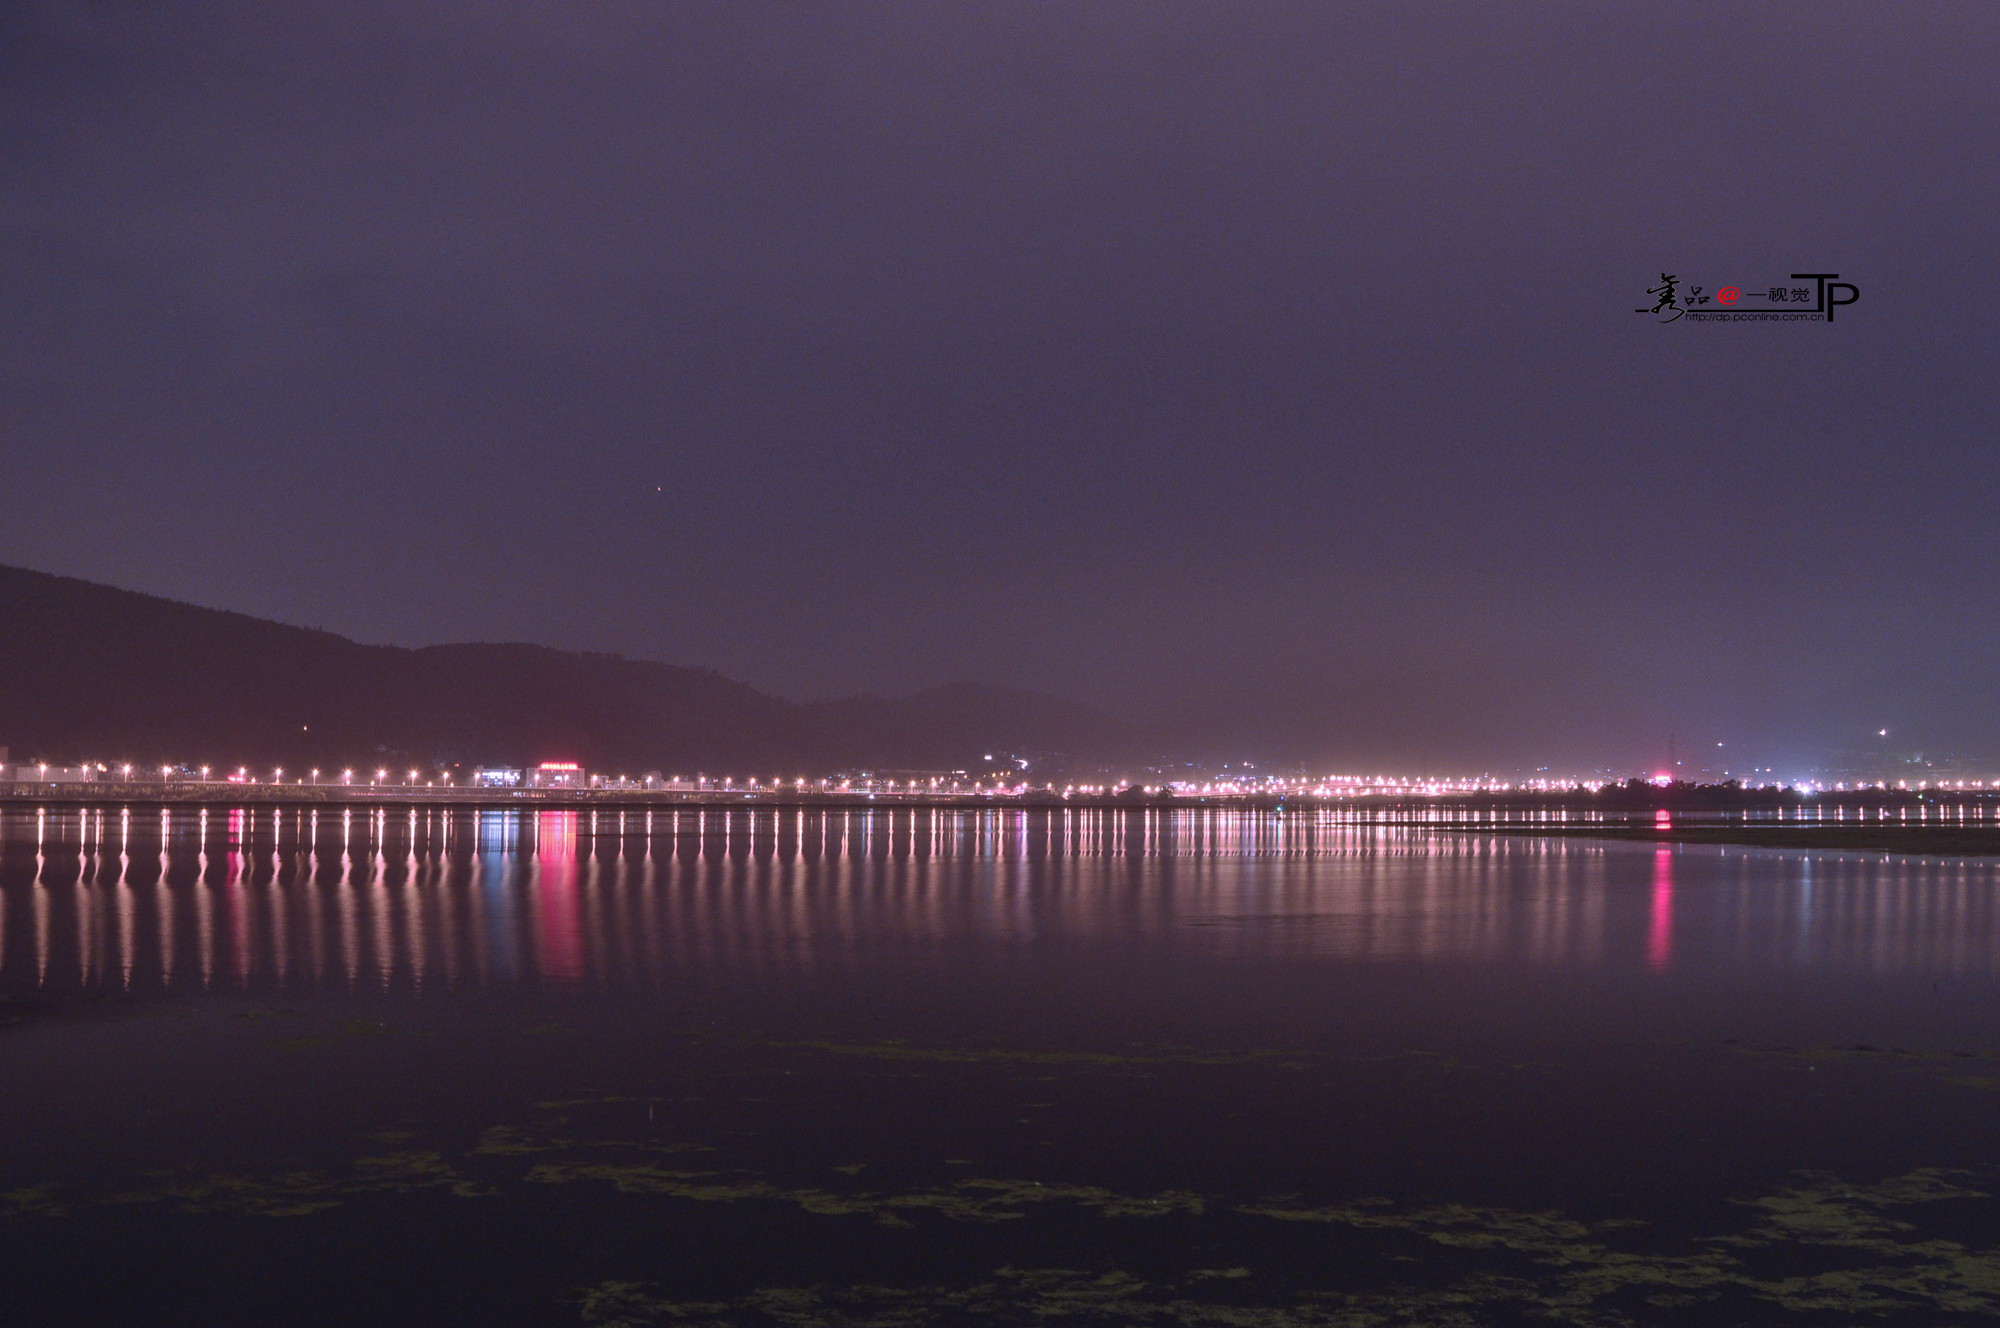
[{"x": 205, "y": 775}]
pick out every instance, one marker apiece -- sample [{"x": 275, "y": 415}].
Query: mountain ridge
[{"x": 95, "y": 672}]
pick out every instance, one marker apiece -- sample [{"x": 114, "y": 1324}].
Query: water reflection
[
  {"x": 1660, "y": 936},
  {"x": 413, "y": 899}
]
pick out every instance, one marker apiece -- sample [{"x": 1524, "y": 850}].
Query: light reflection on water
[{"x": 407, "y": 900}]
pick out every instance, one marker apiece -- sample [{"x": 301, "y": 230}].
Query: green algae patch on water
[
  {"x": 1830, "y": 1211},
  {"x": 1986, "y": 1083},
  {"x": 1821, "y": 1246},
  {"x": 641, "y": 1178},
  {"x": 514, "y": 1141},
  {"x": 1611, "y": 1291},
  {"x": 904, "y": 1051},
  {"x": 1010, "y": 1194},
  {"x": 289, "y": 1194},
  {"x": 573, "y": 1103},
  {"x": 295, "y": 1193},
  {"x": 616, "y": 1304},
  {"x": 1921, "y": 1275},
  {"x": 414, "y": 1169},
  {"x": 518, "y": 1141},
  {"x": 977, "y": 1201},
  {"x": 36, "y": 1201},
  {"x": 1012, "y": 1295}
]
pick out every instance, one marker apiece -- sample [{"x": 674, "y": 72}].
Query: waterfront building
[{"x": 47, "y": 774}]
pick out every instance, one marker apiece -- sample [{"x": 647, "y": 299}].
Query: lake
[{"x": 795, "y": 1066}]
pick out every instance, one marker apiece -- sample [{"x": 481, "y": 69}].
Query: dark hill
[{"x": 88, "y": 672}]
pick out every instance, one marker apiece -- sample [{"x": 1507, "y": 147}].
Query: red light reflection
[
  {"x": 558, "y": 920},
  {"x": 1660, "y": 938}
]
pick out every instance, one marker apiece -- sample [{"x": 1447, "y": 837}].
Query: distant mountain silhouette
[{"x": 89, "y": 672}]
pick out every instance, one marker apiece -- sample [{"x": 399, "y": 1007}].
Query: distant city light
[{"x": 1238, "y": 780}]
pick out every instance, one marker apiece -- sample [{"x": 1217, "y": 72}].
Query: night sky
[{"x": 1275, "y": 361}]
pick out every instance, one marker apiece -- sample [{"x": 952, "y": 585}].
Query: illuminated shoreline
[{"x": 1614, "y": 806}]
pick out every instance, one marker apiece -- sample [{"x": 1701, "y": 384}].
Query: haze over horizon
[
  {"x": 89, "y": 672},
  {"x": 1273, "y": 368}
]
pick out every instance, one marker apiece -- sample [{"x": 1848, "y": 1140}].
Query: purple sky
[{"x": 1279, "y": 352}]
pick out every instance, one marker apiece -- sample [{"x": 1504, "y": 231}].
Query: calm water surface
[{"x": 801, "y": 1067}]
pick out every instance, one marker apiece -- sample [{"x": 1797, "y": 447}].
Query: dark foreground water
[{"x": 794, "y": 1068}]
